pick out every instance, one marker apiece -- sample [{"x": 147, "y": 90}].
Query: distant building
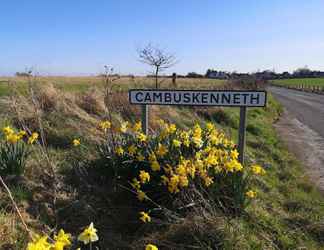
[{"x": 214, "y": 74}]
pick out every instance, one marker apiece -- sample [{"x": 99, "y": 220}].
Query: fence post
[
  {"x": 145, "y": 120},
  {"x": 241, "y": 142}
]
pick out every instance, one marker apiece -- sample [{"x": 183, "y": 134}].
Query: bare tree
[{"x": 156, "y": 58}]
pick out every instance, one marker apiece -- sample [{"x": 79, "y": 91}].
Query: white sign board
[{"x": 230, "y": 98}]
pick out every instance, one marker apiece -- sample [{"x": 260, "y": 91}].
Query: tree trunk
[{"x": 156, "y": 78}]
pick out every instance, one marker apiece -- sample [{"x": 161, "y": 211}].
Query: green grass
[
  {"x": 289, "y": 210},
  {"x": 307, "y": 82},
  {"x": 287, "y": 214}
]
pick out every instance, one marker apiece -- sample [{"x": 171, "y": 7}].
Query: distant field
[
  {"x": 307, "y": 82},
  {"x": 81, "y": 84}
]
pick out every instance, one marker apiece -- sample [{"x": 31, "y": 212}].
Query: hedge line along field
[
  {"x": 91, "y": 179},
  {"x": 307, "y": 82}
]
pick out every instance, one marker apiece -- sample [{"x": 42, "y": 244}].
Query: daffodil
[
  {"x": 136, "y": 184},
  {"x": 88, "y": 235},
  {"x": 141, "y": 195},
  {"x": 7, "y": 130},
  {"x": 161, "y": 150},
  {"x": 251, "y": 194},
  {"x": 151, "y": 247},
  {"x": 12, "y": 138},
  {"x": 63, "y": 238},
  {"x": 258, "y": 170},
  {"x": 155, "y": 166},
  {"x": 141, "y": 137},
  {"x": 145, "y": 217},
  {"x": 119, "y": 151},
  {"x": 132, "y": 150},
  {"x": 123, "y": 127},
  {"x": 172, "y": 128},
  {"x": 144, "y": 177},
  {"x": 176, "y": 143},
  {"x": 39, "y": 243},
  {"x": 234, "y": 154},
  {"x": 105, "y": 125},
  {"x": 76, "y": 142},
  {"x": 210, "y": 126},
  {"x": 21, "y": 134},
  {"x": 137, "y": 127},
  {"x": 33, "y": 138}
]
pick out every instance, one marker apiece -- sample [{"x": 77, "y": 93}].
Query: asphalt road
[
  {"x": 302, "y": 128},
  {"x": 308, "y": 108}
]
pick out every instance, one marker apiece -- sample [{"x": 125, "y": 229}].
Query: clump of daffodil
[
  {"x": 89, "y": 235},
  {"x": 176, "y": 159},
  {"x": 145, "y": 217}
]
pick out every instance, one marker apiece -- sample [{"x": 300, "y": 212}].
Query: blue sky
[{"x": 78, "y": 37}]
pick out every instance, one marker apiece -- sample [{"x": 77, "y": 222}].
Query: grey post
[
  {"x": 145, "y": 111},
  {"x": 241, "y": 142}
]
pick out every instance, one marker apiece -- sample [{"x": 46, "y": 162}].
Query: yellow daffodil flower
[
  {"x": 88, "y": 235},
  {"x": 141, "y": 195},
  {"x": 141, "y": 137},
  {"x": 76, "y": 142},
  {"x": 137, "y": 127},
  {"x": 123, "y": 127},
  {"x": 63, "y": 238},
  {"x": 144, "y": 177},
  {"x": 176, "y": 143},
  {"x": 119, "y": 151},
  {"x": 12, "y": 138},
  {"x": 132, "y": 150},
  {"x": 161, "y": 150},
  {"x": 234, "y": 154},
  {"x": 7, "y": 130},
  {"x": 251, "y": 194},
  {"x": 136, "y": 184},
  {"x": 258, "y": 170},
  {"x": 40, "y": 243},
  {"x": 33, "y": 138},
  {"x": 151, "y": 247},
  {"x": 105, "y": 125},
  {"x": 145, "y": 217},
  {"x": 155, "y": 166}
]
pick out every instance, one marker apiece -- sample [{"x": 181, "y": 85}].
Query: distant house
[{"x": 214, "y": 74}]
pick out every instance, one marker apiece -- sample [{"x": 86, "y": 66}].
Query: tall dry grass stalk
[{"x": 37, "y": 103}]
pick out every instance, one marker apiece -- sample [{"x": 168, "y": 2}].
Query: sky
[{"x": 79, "y": 37}]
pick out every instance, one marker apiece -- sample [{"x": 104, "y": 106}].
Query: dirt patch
[{"x": 306, "y": 144}]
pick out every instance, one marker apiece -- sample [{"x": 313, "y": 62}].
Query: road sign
[
  {"x": 227, "y": 98},
  {"x": 198, "y": 97}
]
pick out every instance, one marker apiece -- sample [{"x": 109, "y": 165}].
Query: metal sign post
[
  {"x": 241, "y": 140},
  {"x": 145, "y": 120},
  {"x": 226, "y": 98}
]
